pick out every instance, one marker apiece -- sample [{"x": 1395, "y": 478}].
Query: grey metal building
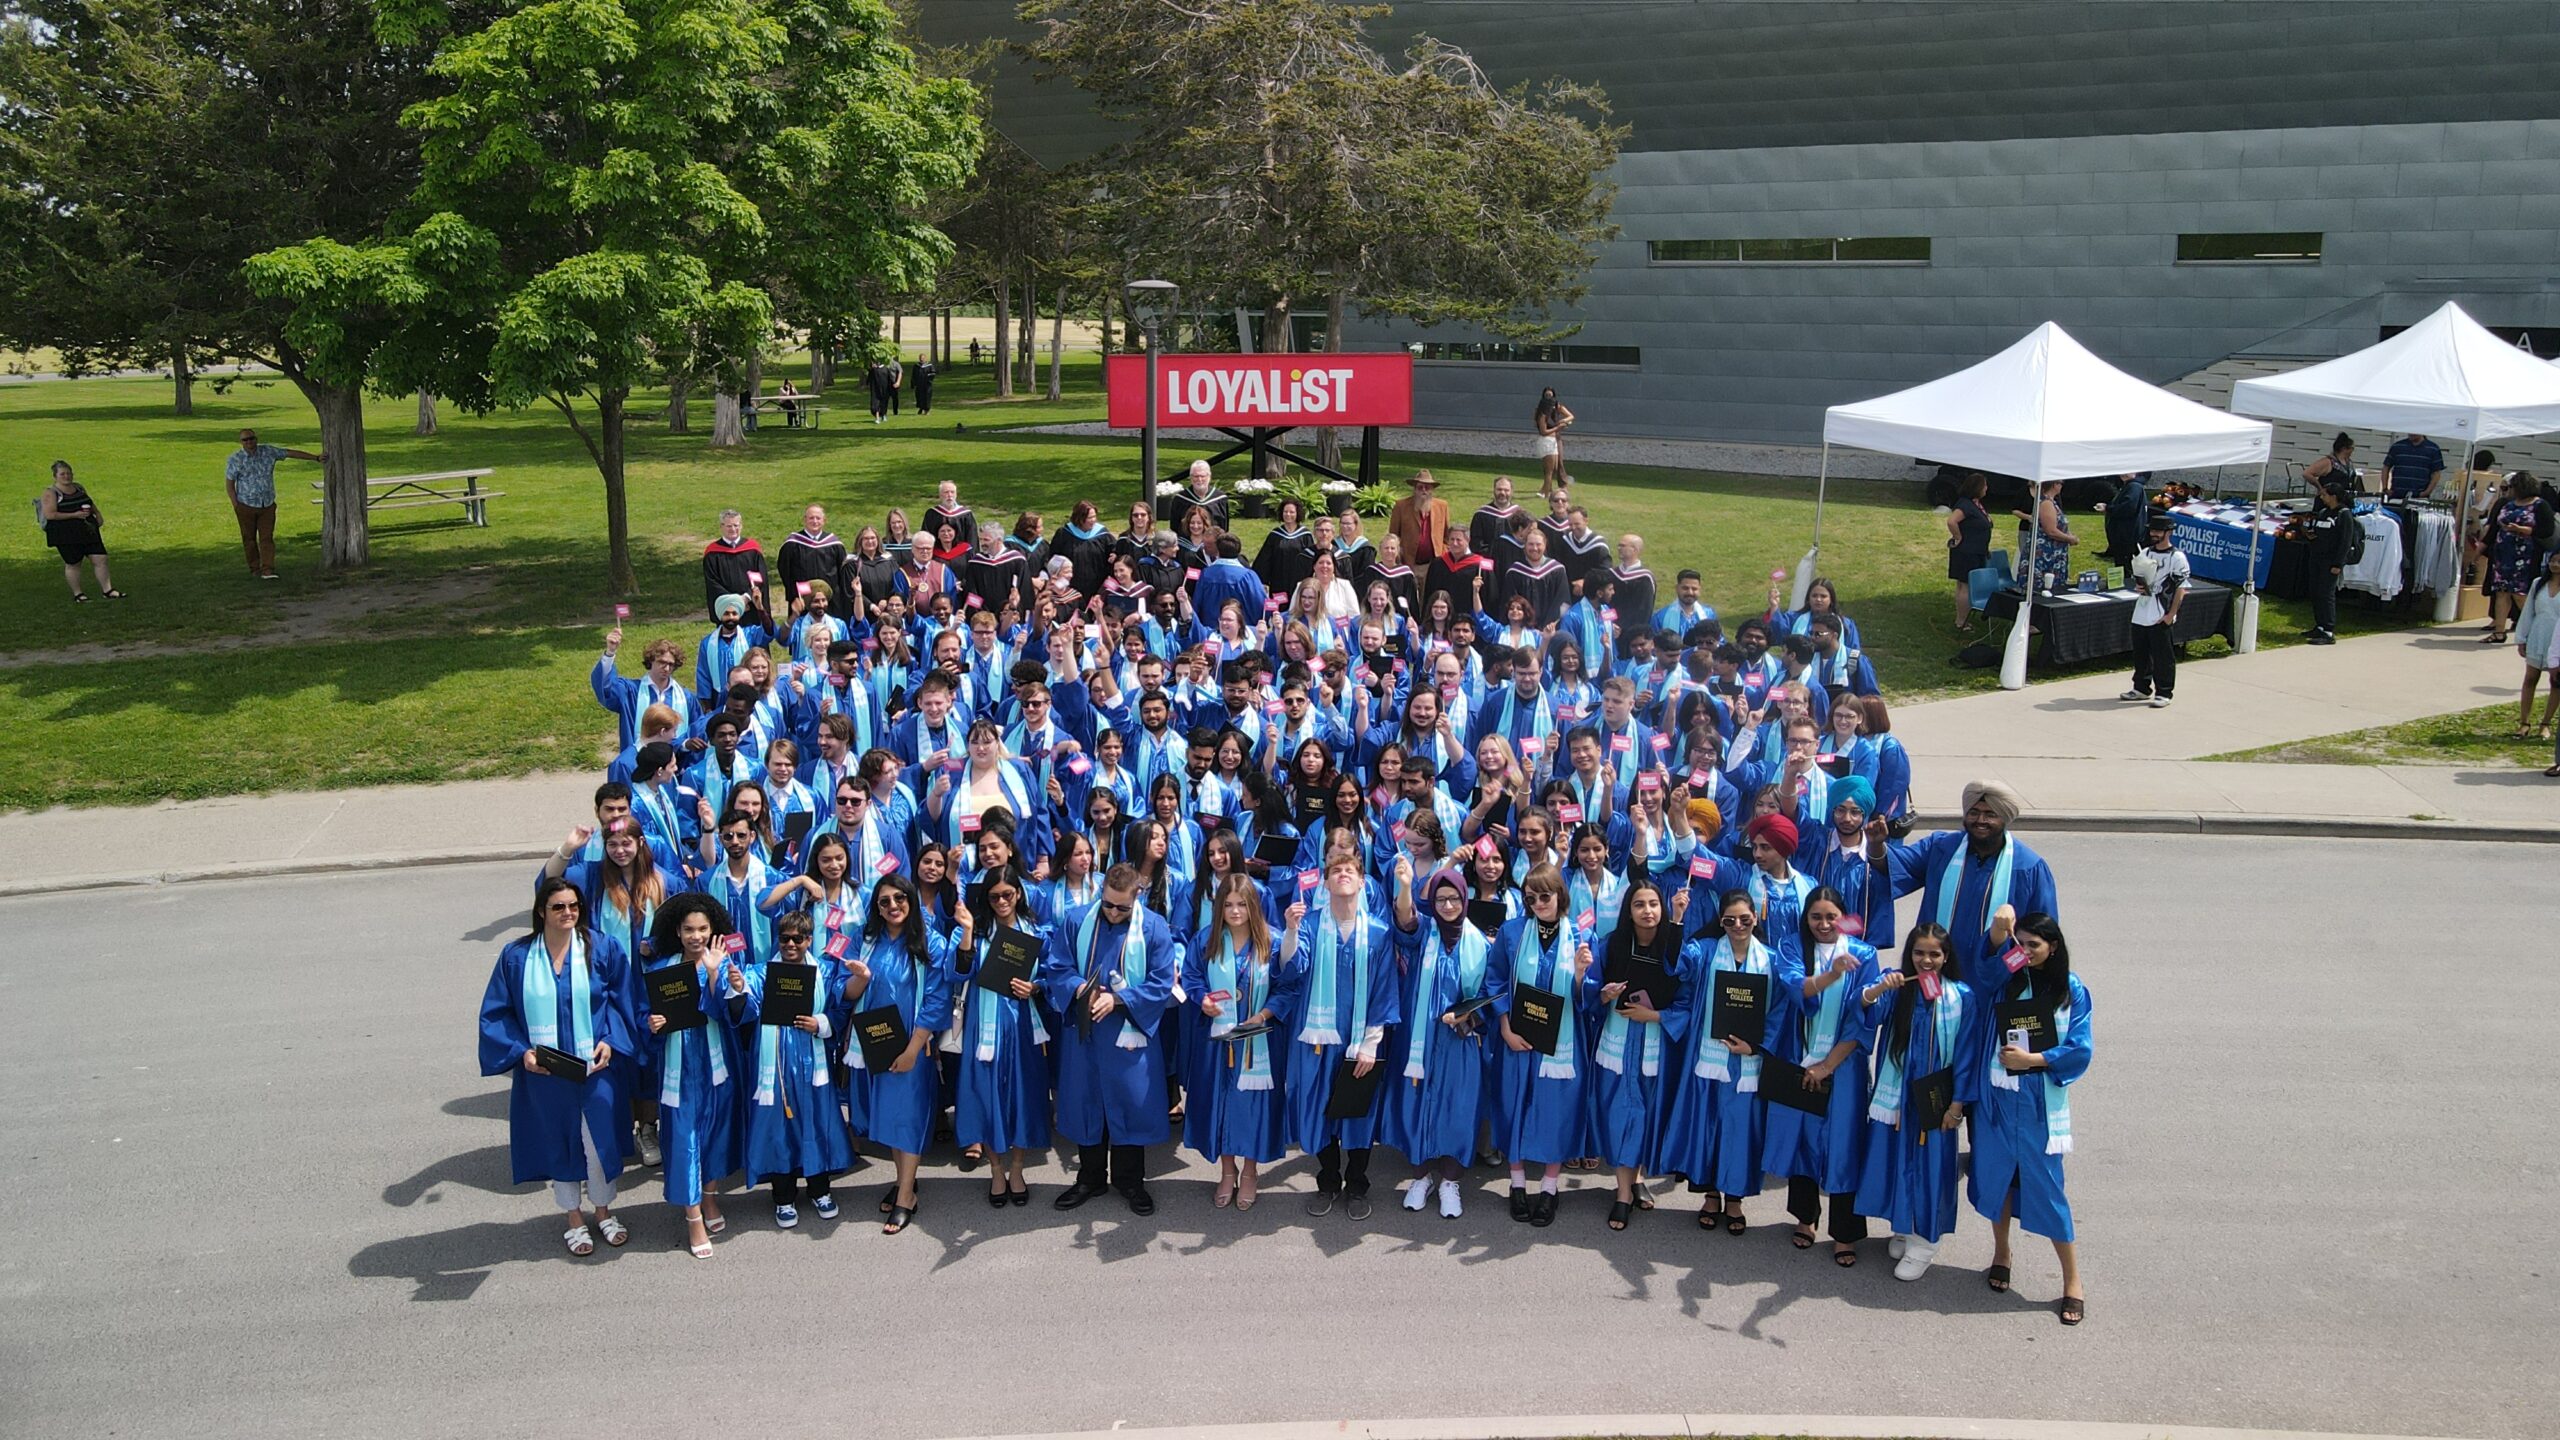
[{"x": 1823, "y": 200}]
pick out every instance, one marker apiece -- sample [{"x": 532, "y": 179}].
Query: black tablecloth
[{"x": 2071, "y": 627}]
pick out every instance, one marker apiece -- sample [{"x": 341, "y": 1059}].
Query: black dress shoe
[
  {"x": 1543, "y": 1213},
  {"x": 1140, "y": 1202},
  {"x": 1519, "y": 1203},
  {"x": 1075, "y": 1195}
]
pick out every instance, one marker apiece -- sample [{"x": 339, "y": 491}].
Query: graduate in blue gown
[
  {"x": 1636, "y": 1043},
  {"x": 2022, "y": 1127},
  {"x": 561, "y": 988},
  {"x": 1343, "y": 1000},
  {"x": 1540, "y": 1115},
  {"x": 1829, "y": 1037},
  {"x": 622, "y": 888},
  {"x": 1926, "y": 1021},
  {"x": 1712, "y": 1132},
  {"x": 1436, "y": 1061},
  {"x": 1233, "y": 1108},
  {"x": 1967, "y": 877},
  {"x": 697, "y": 1069},
  {"x": 1836, "y": 855},
  {"x": 1001, "y": 1099},
  {"x": 902, "y": 964},
  {"x": 794, "y": 1121},
  {"x": 1108, "y": 977}
]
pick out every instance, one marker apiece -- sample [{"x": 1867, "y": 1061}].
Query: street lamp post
[{"x": 1151, "y": 303}]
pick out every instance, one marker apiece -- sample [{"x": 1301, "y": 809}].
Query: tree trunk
[
  {"x": 1328, "y": 439},
  {"x": 1003, "y": 354},
  {"x": 679, "y": 416},
  {"x": 898, "y": 336},
  {"x": 182, "y": 371},
  {"x": 344, "y": 535},
  {"x": 822, "y": 368},
  {"x": 426, "y": 412},
  {"x": 617, "y": 515},
  {"x": 1278, "y": 338},
  {"x": 1030, "y": 339},
  {"x": 728, "y": 422},
  {"x": 1106, "y": 326},
  {"x": 1057, "y": 341},
  {"x": 755, "y": 373}
]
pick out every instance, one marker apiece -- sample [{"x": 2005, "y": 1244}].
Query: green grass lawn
[
  {"x": 462, "y": 651},
  {"x": 2474, "y": 739}
]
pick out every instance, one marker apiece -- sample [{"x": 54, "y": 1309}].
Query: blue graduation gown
[
  {"x": 1867, "y": 888},
  {"x": 702, "y": 1136},
  {"x": 1909, "y": 1185},
  {"x": 800, "y": 1132},
  {"x": 545, "y": 1111},
  {"x": 1540, "y": 1119},
  {"x": 1001, "y": 1099},
  {"x": 1916, "y": 866},
  {"x": 1829, "y": 1147},
  {"x": 2009, "y": 1159},
  {"x": 1104, "y": 1089},
  {"x": 1219, "y": 1118},
  {"x": 1627, "y": 1105},
  {"x": 1435, "y": 1118},
  {"x": 898, "y": 1110},
  {"x": 1311, "y": 1066},
  {"x": 1712, "y": 1132}
]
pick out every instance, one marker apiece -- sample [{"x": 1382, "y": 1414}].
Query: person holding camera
[{"x": 2159, "y": 575}]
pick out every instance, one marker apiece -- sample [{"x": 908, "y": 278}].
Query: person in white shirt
[{"x": 2159, "y": 574}]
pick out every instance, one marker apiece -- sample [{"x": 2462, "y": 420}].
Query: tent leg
[
  {"x": 2244, "y": 624},
  {"x": 2013, "y": 656},
  {"x": 1805, "y": 566}
]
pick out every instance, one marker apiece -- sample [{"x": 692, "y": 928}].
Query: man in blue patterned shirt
[{"x": 250, "y": 475}]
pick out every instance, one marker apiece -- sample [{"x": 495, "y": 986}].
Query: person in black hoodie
[{"x": 2333, "y": 541}]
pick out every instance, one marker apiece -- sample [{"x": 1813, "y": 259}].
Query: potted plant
[{"x": 1254, "y": 495}]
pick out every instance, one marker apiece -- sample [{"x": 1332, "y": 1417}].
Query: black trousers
[
  {"x": 786, "y": 1188},
  {"x": 2155, "y": 660},
  {"x": 1104, "y": 1166},
  {"x": 2324, "y": 599},
  {"x": 924, "y": 397},
  {"x": 1333, "y": 1177},
  {"x": 1804, "y": 1202}
]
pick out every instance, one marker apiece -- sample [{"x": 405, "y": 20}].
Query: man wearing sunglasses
[{"x": 1109, "y": 975}]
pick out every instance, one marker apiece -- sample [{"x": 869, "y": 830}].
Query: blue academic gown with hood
[
  {"x": 797, "y": 1130},
  {"x": 1104, "y": 1087},
  {"x": 1831, "y": 1147},
  {"x": 1628, "y": 1102},
  {"x": 1312, "y": 1065},
  {"x": 898, "y": 1110},
  {"x": 1433, "y": 1116},
  {"x": 1541, "y": 1119},
  {"x": 1918, "y": 865},
  {"x": 1219, "y": 1117},
  {"x": 2012, "y": 1159},
  {"x": 700, "y": 1132},
  {"x": 1001, "y": 1096},
  {"x": 1712, "y": 1131},
  {"x": 544, "y": 1112},
  {"x": 1909, "y": 1184}
]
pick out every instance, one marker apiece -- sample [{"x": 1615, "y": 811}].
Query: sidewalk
[{"x": 2080, "y": 758}]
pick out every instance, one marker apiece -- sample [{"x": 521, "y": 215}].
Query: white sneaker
[
  {"x": 2159, "y": 702},
  {"x": 649, "y": 1154},
  {"x": 1450, "y": 1205},
  {"x": 1417, "y": 1194},
  {"x": 2135, "y": 695},
  {"x": 1893, "y": 1247},
  {"x": 1915, "y": 1259},
  {"x": 785, "y": 1216}
]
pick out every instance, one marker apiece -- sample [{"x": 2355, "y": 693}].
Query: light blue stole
[
  {"x": 1473, "y": 952},
  {"x": 1557, "y": 970},
  {"x": 541, "y": 990},
  {"x": 1133, "y": 963},
  {"x": 1323, "y": 1023},
  {"x": 1250, "y": 986},
  {"x": 671, "y": 1070}
]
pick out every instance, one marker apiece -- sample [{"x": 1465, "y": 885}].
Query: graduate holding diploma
[
  {"x": 898, "y": 985},
  {"x": 2040, "y": 1029},
  {"x": 1344, "y": 999},
  {"x": 552, "y": 1020},
  {"x": 1234, "y": 1115},
  {"x": 1929, "y": 1026},
  {"x": 697, "y": 1064},
  {"x": 1713, "y": 1131},
  {"x": 795, "y": 1123},
  {"x": 1436, "y": 1060},
  {"x": 1002, "y": 1091},
  {"x": 1633, "y": 1004},
  {"x": 1539, "y": 1116},
  {"x": 1827, "y": 1037},
  {"x": 1108, "y": 976}
]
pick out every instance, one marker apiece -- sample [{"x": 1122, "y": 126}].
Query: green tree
[
  {"x": 148, "y": 149},
  {"x": 647, "y": 172}
]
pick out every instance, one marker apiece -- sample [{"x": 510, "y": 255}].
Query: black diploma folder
[
  {"x": 1642, "y": 975},
  {"x": 1242, "y": 1033},
  {"x": 1537, "y": 1016},
  {"x": 1741, "y": 1009},
  {"x": 2031, "y": 1015},
  {"x": 675, "y": 994},
  {"x": 1465, "y": 1008},
  {"x": 1488, "y": 916},
  {"x": 1280, "y": 849},
  {"x": 882, "y": 1034},
  {"x": 1011, "y": 955},
  {"x": 1354, "y": 1095},
  {"x": 1783, "y": 1084},
  {"x": 559, "y": 1063},
  {"x": 1924, "y": 1104},
  {"x": 790, "y": 991}
]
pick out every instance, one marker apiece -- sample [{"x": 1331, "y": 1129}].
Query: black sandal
[
  {"x": 1019, "y": 1197},
  {"x": 1643, "y": 1200},
  {"x": 2074, "y": 1309},
  {"x": 113, "y": 594},
  {"x": 1711, "y": 1220},
  {"x": 888, "y": 1199},
  {"x": 1801, "y": 1237},
  {"x": 1844, "y": 1256},
  {"x": 1997, "y": 1277},
  {"x": 996, "y": 1198},
  {"x": 901, "y": 1216},
  {"x": 79, "y": 599},
  {"x": 1618, "y": 1213},
  {"x": 1734, "y": 1224}
]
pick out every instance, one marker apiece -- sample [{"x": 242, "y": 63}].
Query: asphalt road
[{"x": 259, "y": 1188}]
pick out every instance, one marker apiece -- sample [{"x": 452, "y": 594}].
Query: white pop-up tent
[
  {"x": 2445, "y": 375},
  {"x": 2044, "y": 409}
]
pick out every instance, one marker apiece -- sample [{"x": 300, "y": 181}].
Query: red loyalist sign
[{"x": 1265, "y": 390}]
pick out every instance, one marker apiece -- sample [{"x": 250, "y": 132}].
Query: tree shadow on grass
[{"x": 361, "y": 672}]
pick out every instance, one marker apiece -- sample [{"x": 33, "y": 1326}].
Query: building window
[
  {"x": 2278, "y": 247},
  {"x": 1625, "y": 356},
  {"x": 1817, "y": 250}
]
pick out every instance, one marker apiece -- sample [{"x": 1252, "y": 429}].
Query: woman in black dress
[
  {"x": 1968, "y": 544},
  {"x": 71, "y": 522}
]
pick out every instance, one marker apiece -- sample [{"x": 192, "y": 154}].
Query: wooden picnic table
[
  {"x": 807, "y": 405},
  {"x": 435, "y": 487}
]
